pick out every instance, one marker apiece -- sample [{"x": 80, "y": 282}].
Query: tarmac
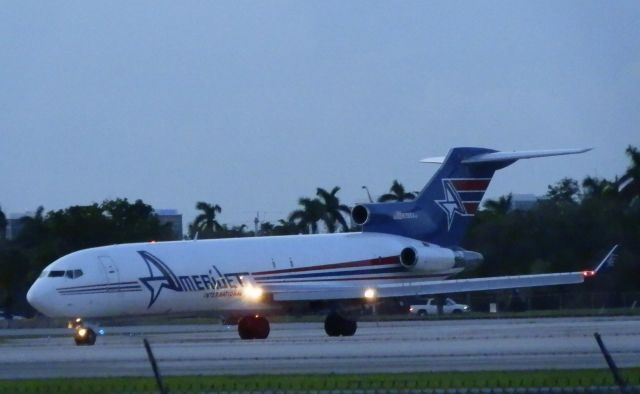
[{"x": 407, "y": 346}]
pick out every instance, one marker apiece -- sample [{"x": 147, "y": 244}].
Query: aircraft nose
[{"x": 36, "y": 296}]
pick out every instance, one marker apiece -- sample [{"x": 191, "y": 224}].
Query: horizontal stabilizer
[
  {"x": 508, "y": 156},
  {"x": 512, "y": 156}
]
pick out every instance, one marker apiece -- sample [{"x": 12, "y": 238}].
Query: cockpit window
[
  {"x": 56, "y": 274},
  {"x": 72, "y": 274}
]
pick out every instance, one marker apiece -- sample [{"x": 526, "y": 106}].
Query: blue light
[{"x": 101, "y": 331}]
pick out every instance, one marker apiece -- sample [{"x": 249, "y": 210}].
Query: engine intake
[{"x": 360, "y": 214}]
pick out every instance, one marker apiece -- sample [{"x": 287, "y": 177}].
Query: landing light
[
  {"x": 252, "y": 293},
  {"x": 370, "y": 294},
  {"x": 82, "y": 332},
  {"x": 588, "y": 274}
]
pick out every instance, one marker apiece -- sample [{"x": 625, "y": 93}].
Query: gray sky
[{"x": 252, "y": 104}]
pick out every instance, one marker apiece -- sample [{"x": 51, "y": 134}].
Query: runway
[{"x": 409, "y": 346}]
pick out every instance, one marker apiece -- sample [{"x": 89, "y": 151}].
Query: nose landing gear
[{"x": 82, "y": 335}]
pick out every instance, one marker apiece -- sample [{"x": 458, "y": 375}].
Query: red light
[
  {"x": 588, "y": 274},
  {"x": 152, "y": 242}
]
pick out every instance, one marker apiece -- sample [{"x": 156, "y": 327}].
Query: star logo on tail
[
  {"x": 451, "y": 204},
  {"x": 462, "y": 197}
]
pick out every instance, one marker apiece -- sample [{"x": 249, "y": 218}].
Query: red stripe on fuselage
[
  {"x": 465, "y": 185},
  {"x": 363, "y": 263}
]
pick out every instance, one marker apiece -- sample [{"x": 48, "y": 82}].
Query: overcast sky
[{"x": 253, "y": 104}]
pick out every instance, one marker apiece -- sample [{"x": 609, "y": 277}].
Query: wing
[{"x": 332, "y": 291}]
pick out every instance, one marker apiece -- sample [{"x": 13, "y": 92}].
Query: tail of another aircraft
[{"x": 445, "y": 207}]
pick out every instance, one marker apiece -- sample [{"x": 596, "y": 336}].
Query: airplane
[{"x": 405, "y": 249}]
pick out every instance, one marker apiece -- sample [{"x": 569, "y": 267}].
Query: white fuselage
[{"x": 209, "y": 275}]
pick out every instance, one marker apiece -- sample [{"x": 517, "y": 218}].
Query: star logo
[
  {"x": 160, "y": 277},
  {"x": 452, "y": 204}
]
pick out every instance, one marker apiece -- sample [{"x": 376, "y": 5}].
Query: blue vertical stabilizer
[{"x": 445, "y": 207}]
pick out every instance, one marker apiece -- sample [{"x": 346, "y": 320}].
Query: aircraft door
[{"x": 110, "y": 269}]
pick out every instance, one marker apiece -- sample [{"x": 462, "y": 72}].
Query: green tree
[
  {"x": 307, "y": 217},
  {"x": 397, "y": 193},
  {"x": 33, "y": 229},
  {"x": 333, "y": 210},
  {"x": 593, "y": 187},
  {"x": 205, "y": 224},
  {"x": 564, "y": 191},
  {"x": 629, "y": 183},
  {"x": 135, "y": 222},
  {"x": 233, "y": 231},
  {"x": 286, "y": 227},
  {"x": 3, "y": 225},
  {"x": 498, "y": 207}
]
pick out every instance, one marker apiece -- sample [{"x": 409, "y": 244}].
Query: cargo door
[{"x": 110, "y": 269}]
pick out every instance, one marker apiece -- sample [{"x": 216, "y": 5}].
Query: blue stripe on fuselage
[{"x": 398, "y": 268}]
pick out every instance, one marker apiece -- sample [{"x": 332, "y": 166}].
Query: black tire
[
  {"x": 457, "y": 311},
  {"x": 422, "y": 313},
  {"x": 349, "y": 327},
  {"x": 245, "y": 327},
  {"x": 89, "y": 338},
  {"x": 253, "y": 327},
  {"x": 262, "y": 328},
  {"x": 332, "y": 324},
  {"x": 336, "y": 325}
]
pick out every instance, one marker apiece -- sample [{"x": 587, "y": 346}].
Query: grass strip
[{"x": 309, "y": 382}]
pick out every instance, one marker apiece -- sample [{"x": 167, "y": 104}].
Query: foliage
[
  {"x": 3, "y": 225},
  {"x": 327, "y": 209},
  {"x": 205, "y": 224},
  {"x": 397, "y": 193}
]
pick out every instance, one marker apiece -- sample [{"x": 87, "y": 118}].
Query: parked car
[{"x": 431, "y": 307}]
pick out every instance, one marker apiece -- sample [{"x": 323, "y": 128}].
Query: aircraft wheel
[
  {"x": 253, "y": 327},
  {"x": 245, "y": 327},
  {"x": 336, "y": 325},
  {"x": 262, "y": 327},
  {"x": 332, "y": 325},
  {"x": 84, "y": 337},
  {"x": 349, "y": 327}
]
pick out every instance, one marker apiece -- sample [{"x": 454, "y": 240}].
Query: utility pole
[
  {"x": 256, "y": 221},
  {"x": 368, "y": 194}
]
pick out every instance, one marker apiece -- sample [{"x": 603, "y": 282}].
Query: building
[
  {"x": 15, "y": 224},
  {"x": 523, "y": 202},
  {"x": 174, "y": 218}
]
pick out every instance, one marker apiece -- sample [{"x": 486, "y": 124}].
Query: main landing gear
[
  {"x": 82, "y": 335},
  {"x": 253, "y": 327},
  {"x": 336, "y": 325}
]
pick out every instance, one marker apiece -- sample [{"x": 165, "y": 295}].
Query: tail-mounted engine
[{"x": 436, "y": 259}]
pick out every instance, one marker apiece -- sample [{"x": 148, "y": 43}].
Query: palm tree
[
  {"x": 333, "y": 209},
  {"x": 629, "y": 183},
  {"x": 286, "y": 227},
  {"x": 397, "y": 193},
  {"x": 309, "y": 215},
  {"x": 206, "y": 223}
]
